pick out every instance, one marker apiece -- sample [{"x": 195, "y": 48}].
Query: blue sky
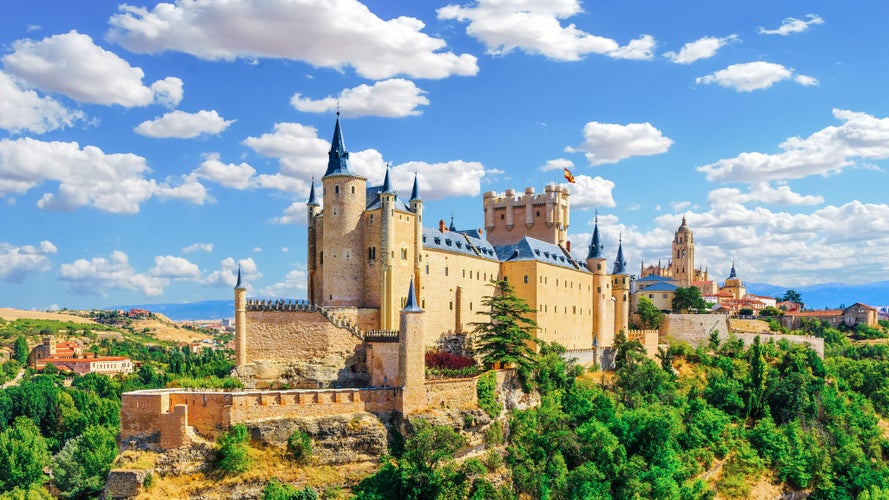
[{"x": 146, "y": 149}]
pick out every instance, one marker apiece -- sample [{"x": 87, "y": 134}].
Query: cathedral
[
  {"x": 681, "y": 267},
  {"x": 368, "y": 243}
]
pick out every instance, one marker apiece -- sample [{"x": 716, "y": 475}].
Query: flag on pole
[{"x": 568, "y": 176}]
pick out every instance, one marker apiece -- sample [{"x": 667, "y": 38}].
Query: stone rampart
[
  {"x": 815, "y": 343},
  {"x": 696, "y": 329},
  {"x": 451, "y": 393},
  {"x": 648, "y": 338}
]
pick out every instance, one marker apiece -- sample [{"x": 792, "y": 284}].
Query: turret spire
[
  {"x": 452, "y": 227},
  {"x": 387, "y": 185},
  {"x": 596, "y": 247},
  {"x": 313, "y": 202},
  {"x": 415, "y": 192},
  {"x": 620, "y": 265},
  {"x": 411, "y": 304},
  {"x": 732, "y": 274},
  {"x": 239, "y": 285},
  {"x": 338, "y": 157}
]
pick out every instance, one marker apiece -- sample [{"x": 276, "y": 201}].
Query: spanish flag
[{"x": 568, "y": 176}]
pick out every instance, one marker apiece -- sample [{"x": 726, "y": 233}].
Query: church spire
[
  {"x": 596, "y": 247},
  {"x": 338, "y": 157},
  {"x": 620, "y": 265},
  {"x": 732, "y": 274},
  {"x": 313, "y": 202},
  {"x": 415, "y": 192}
]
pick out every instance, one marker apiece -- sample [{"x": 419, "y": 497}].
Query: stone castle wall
[{"x": 288, "y": 336}]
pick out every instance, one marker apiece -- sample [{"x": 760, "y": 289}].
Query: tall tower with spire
[
  {"x": 341, "y": 256},
  {"x": 314, "y": 209},
  {"x": 595, "y": 262},
  {"x": 388, "y": 308},
  {"x": 683, "y": 261},
  {"x": 240, "y": 322},
  {"x": 416, "y": 205},
  {"x": 620, "y": 291}
]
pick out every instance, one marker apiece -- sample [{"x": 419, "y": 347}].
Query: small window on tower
[
  {"x": 502, "y": 216},
  {"x": 353, "y": 189}
]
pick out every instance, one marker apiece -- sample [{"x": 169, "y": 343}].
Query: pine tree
[{"x": 508, "y": 337}]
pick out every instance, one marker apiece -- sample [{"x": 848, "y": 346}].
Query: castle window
[
  {"x": 599, "y": 266},
  {"x": 446, "y": 271},
  {"x": 477, "y": 275},
  {"x": 650, "y": 295},
  {"x": 526, "y": 279},
  {"x": 557, "y": 281},
  {"x": 321, "y": 258},
  {"x": 353, "y": 189},
  {"x": 464, "y": 273},
  {"x": 372, "y": 219},
  {"x": 502, "y": 216},
  {"x": 451, "y": 305},
  {"x": 470, "y": 306},
  {"x": 538, "y": 213},
  {"x": 427, "y": 268},
  {"x": 574, "y": 309},
  {"x": 404, "y": 254},
  {"x": 598, "y": 289},
  {"x": 423, "y": 303},
  {"x": 665, "y": 296}
]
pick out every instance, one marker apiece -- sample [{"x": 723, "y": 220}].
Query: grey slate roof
[
  {"x": 411, "y": 305},
  {"x": 457, "y": 242},
  {"x": 533, "y": 249},
  {"x": 338, "y": 157},
  {"x": 415, "y": 192},
  {"x": 620, "y": 265},
  {"x": 373, "y": 199},
  {"x": 596, "y": 246},
  {"x": 312, "y": 200}
]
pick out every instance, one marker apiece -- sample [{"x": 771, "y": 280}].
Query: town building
[{"x": 69, "y": 356}]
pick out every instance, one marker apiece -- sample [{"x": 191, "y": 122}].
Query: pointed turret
[
  {"x": 732, "y": 273},
  {"x": 620, "y": 265},
  {"x": 239, "y": 285},
  {"x": 415, "y": 192},
  {"x": 387, "y": 185},
  {"x": 411, "y": 304},
  {"x": 596, "y": 247},
  {"x": 338, "y": 157},
  {"x": 313, "y": 202},
  {"x": 452, "y": 227}
]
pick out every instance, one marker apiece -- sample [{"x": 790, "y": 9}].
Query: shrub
[
  {"x": 277, "y": 490},
  {"x": 299, "y": 444},
  {"x": 447, "y": 360},
  {"x": 486, "y": 389},
  {"x": 494, "y": 434},
  {"x": 232, "y": 453}
]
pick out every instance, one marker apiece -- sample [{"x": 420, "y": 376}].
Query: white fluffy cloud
[
  {"x": 184, "y": 125},
  {"x": 827, "y": 151},
  {"x": 747, "y": 77},
  {"x": 229, "y": 175},
  {"x": 701, "y": 48},
  {"x": 22, "y": 109},
  {"x": 534, "y": 26},
  {"x": 590, "y": 192},
  {"x": 557, "y": 164},
  {"x": 87, "y": 176},
  {"x": 612, "y": 142},
  {"x": 762, "y": 193},
  {"x": 169, "y": 266},
  {"x": 391, "y": 98},
  {"x": 793, "y": 25},
  {"x": 99, "y": 275},
  {"x": 294, "y": 284},
  {"x": 16, "y": 263},
  {"x": 227, "y": 274},
  {"x": 198, "y": 247},
  {"x": 324, "y": 34},
  {"x": 71, "y": 64}
]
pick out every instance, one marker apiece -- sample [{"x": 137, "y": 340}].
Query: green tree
[
  {"x": 792, "y": 295},
  {"x": 233, "y": 450},
  {"x": 687, "y": 299},
  {"x": 20, "y": 349},
  {"x": 770, "y": 312},
  {"x": 650, "y": 316},
  {"x": 299, "y": 444},
  {"x": 82, "y": 465},
  {"x": 23, "y": 455},
  {"x": 508, "y": 336},
  {"x": 277, "y": 490}
]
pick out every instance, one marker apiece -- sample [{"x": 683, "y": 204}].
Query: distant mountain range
[{"x": 827, "y": 295}]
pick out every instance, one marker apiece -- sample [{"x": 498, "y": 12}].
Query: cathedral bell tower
[{"x": 683, "y": 260}]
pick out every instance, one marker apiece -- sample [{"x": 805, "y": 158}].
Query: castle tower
[
  {"x": 340, "y": 258},
  {"x": 411, "y": 356},
  {"x": 509, "y": 218},
  {"x": 416, "y": 205},
  {"x": 311, "y": 256},
  {"x": 620, "y": 291},
  {"x": 595, "y": 262},
  {"x": 683, "y": 260},
  {"x": 240, "y": 322},
  {"x": 387, "y": 254}
]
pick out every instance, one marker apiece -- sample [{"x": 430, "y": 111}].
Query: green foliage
[
  {"x": 486, "y": 390},
  {"x": 650, "y": 317},
  {"x": 688, "y": 299},
  {"x": 23, "y": 455},
  {"x": 277, "y": 490},
  {"x": 80, "y": 468},
  {"x": 33, "y": 492},
  {"x": 743, "y": 467},
  {"x": 299, "y": 444},
  {"x": 745, "y": 311},
  {"x": 20, "y": 349},
  {"x": 494, "y": 434},
  {"x": 770, "y": 311},
  {"x": 508, "y": 335},
  {"x": 792, "y": 295},
  {"x": 232, "y": 450}
]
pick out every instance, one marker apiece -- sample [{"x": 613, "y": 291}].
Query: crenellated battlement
[
  {"x": 512, "y": 216},
  {"x": 281, "y": 305},
  {"x": 381, "y": 336}
]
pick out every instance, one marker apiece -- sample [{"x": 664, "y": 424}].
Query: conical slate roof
[
  {"x": 415, "y": 192},
  {"x": 312, "y": 200},
  {"x": 596, "y": 247},
  {"x": 620, "y": 265},
  {"x": 338, "y": 157},
  {"x": 411, "y": 304}
]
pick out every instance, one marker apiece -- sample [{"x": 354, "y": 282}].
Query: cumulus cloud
[
  {"x": 184, "y": 125},
  {"x": 180, "y": 268},
  {"x": 227, "y": 274},
  {"x": 747, "y": 77},
  {"x": 22, "y": 109},
  {"x": 763, "y": 193},
  {"x": 701, "y": 48},
  {"x": 98, "y": 276},
  {"x": 324, "y": 34},
  {"x": 612, "y": 142},
  {"x": 557, "y": 164},
  {"x": 72, "y": 65},
  {"x": 590, "y": 192},
  {"x": 229, "y": 175},
  {"x": 198, "y": 247},
  {"x": 534, "y": 26},
  {"x": 793, "y": 25},
  {"x": 87, "y": 176},
  {"x": 294, "y": 284},
  {"x": 860, "y": 136},
  {"x": 16, "y": 263},
  {"x": 392, "y": 98}
]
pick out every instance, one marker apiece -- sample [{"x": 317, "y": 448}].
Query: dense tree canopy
[
  {"x": 688, "y": 300},
  {"x": 508, "y": 336}
]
